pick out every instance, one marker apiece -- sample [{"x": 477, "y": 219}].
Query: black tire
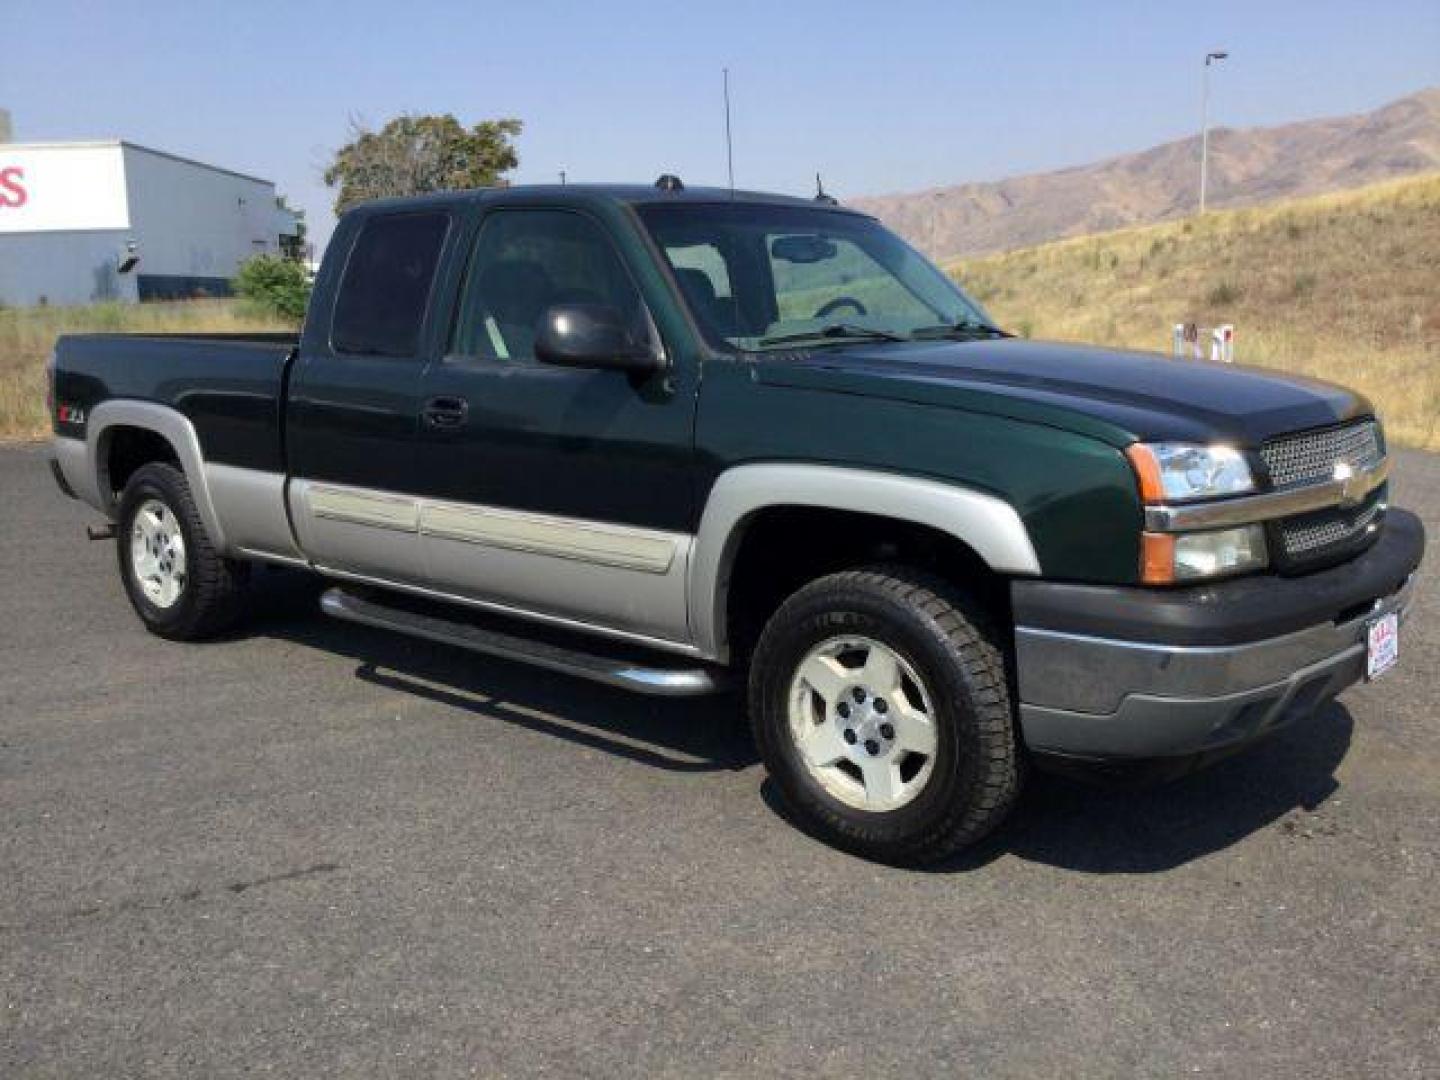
[
  {"x": 952, "y": 646},
  {"x": 211, "y": 597}
]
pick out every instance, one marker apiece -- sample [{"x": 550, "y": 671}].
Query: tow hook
[{"x": 101, "y": 532}]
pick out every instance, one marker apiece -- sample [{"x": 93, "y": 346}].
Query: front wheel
[
  {"x": 179, "y": 585},
  {"x": 881, "y": 708}
]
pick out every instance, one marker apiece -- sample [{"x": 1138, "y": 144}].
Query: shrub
[
  {"x": 275, "y": 284},
  {"x": 1304, "y": 284},
  {"x": 1224, "y": 294}
]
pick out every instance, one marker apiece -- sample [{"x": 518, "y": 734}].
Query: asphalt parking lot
[{"x": 315, "y": 849}]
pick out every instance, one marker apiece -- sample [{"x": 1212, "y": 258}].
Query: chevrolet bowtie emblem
[{"x": 1352, "y": 485}]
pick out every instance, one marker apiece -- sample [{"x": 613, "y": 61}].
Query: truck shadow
[
  {"x": 705, "y": 734},
  {"x": 1108, "y": 828},
  {"x": 1060, "y": 822},
  {"x": 1072, "y": 825}
]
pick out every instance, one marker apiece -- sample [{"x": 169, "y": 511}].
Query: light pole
[{"x": 1210, "y": 58}]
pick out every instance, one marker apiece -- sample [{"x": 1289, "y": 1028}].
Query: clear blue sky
[{"x": 878, "y": 97}]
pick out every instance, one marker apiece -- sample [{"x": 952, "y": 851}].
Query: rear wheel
[
  {"x": 881, "y": 708},
  {"x": 177, "y": 582}
]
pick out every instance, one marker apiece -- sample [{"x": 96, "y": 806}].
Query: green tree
[
  {"x": 293, "y": 247},
  {"x": 412, "y": 155},
  {"x": 279, "y": 285}
]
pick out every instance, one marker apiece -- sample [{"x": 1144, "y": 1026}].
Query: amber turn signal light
[
  {"x": 1157, "y": 558},
  {"x": 1147, "y": 471}
]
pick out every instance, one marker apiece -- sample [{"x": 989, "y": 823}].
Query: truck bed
[{"x": 229, "y": 386}]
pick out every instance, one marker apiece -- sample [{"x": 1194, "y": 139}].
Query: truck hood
[{"x": 1114, "y": 394}]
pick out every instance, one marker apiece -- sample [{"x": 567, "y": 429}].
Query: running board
[{"x": 626, "y": 674}]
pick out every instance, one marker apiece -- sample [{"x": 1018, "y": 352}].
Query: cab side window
[
  {"x": 524, "y": 262},
  {"x": 380, "y": 308}
]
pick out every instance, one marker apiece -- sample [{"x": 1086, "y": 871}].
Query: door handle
[{"x": 445, "y": 413}]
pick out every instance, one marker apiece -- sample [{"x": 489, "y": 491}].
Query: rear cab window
[{"x": 385, "y": 290}]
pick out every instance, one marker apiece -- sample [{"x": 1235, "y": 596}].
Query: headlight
[
  {"x": 1186, "y": 472},
  {"x": 1176, "y": 558},
  {"x": 1180, "y": 472}
]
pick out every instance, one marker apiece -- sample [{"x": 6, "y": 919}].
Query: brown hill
[
  {"x": 1342, "y": 286},
  {"x": 1247, "y": 166}
]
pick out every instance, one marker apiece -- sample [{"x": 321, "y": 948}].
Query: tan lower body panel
[
  {"x": 619, "y": 576},
  {"x": 251, "y": 506}
]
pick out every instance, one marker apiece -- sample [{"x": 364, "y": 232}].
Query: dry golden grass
[
  {"x": 1345, "y": 287},
  {"x": 28, "y": 334}
]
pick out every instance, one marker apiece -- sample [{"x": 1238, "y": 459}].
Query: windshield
[{"x": 760, "y": 277}]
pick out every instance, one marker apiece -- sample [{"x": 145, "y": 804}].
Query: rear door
[
  {"x": 354, "y": 397},
  {"x": 560, "y": 491}
]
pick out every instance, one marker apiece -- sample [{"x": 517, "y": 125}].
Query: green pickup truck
[{"x": 674, "y": 439}]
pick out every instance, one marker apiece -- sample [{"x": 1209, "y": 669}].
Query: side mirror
[{"x": 592, "y": 336}]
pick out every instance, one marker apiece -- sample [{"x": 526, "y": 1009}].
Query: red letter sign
[{"x": 12, "y": 192}]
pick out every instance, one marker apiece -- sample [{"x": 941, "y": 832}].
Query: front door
[{"x": 560, "y": 491}]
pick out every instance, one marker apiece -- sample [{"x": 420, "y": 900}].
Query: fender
[
  {"x": 164, "y": 421},
  {"x": 987, "y": 524}
]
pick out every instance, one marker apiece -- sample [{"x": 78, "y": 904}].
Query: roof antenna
[
  {"x": 729, "y": 149},
  {"x": 821, "y": 196}
]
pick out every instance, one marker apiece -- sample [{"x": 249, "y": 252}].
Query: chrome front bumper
[{"x": 1106, "y": 697}]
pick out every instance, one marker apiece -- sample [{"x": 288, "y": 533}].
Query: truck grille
[
  {"x": 1311, "y": 456},
  {"x": 1324, "y": 532}
]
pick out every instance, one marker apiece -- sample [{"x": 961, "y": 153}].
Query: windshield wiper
[
  {"x": 965, "y": 327},
  {"x": 837, "y": 331}
]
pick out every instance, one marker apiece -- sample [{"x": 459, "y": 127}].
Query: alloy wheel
[{"x": 863, "y": 723}]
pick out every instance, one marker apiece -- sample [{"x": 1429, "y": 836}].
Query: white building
[{"x": 88, "y": 221}]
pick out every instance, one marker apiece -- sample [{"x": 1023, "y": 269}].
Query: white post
[
  {"x": 1205, "y": 120},
  {"x": 1222, "y": 344},
  {"x": 1204, "y": 129}
]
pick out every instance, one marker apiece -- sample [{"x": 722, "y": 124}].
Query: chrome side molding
[
  {"x": 626, "y": 547},
  {"x": 1346, "y": 491}
]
